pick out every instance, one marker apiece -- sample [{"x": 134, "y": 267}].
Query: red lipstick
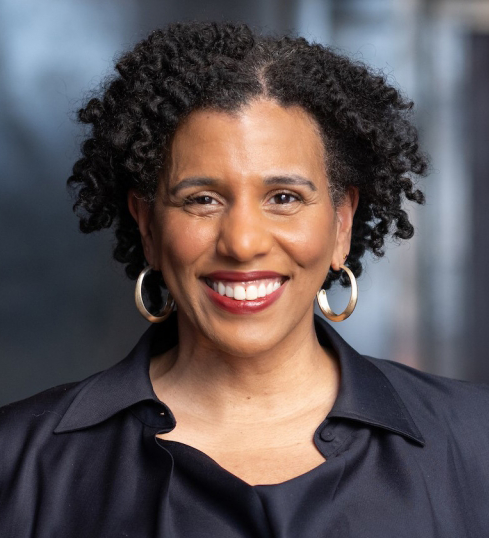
[
  {"x": 246, "y": 306},
  {"x": 240, "y": 276}
]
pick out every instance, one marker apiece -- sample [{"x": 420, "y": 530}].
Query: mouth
[
  {"x": 246, "y": 290},
  {"x": 244, "y": 293}
]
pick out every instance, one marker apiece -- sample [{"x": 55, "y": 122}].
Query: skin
[{"x": 227, "y": 380}]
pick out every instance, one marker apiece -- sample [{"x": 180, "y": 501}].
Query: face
[{"x": 242, "y": 226}]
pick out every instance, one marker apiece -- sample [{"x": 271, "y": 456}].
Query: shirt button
[{"x": 327, "y": 435}]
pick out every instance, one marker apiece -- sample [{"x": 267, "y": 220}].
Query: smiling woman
[
  {"x": 245, "y": 192},
  {"x": 244, "y": 175}
]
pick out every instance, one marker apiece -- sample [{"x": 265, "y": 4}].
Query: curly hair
[{"x": 369, "y": 139}]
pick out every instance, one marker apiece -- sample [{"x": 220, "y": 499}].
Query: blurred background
[{"x": 66, "y": 309}]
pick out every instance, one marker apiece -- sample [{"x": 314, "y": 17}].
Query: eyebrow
[
  {"x": 193, "y": 182},
  {"x": 290, "y": 180},
  {"x": 273, "y": 180}
]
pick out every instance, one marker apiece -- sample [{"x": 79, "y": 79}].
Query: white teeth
[
  {"x": 251, "y": 293},
  {"x": 239, "y": 293},
  {"x": 246, "y": 291}
]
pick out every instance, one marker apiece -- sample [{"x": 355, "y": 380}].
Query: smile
[{"x": 245, "y": 291}]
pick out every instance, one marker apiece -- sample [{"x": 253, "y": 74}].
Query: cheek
[
  {"x": 310, "y": 242},
  {"x": 181, "y": 243}
]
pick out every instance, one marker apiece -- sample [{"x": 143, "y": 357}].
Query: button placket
[
  {"x": 155, "y": 414},
  {"x": 327, "y": 435},
  {"x": 330, "y": 438}
]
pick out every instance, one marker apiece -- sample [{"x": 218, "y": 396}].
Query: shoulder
[
  {"x": 408, "y": 378},
  {"x": 460, "y": 407},
  {"x": 30, "y": 422},
  {"x": 46, "y": 402}
]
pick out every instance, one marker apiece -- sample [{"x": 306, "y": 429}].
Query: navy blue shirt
[{"x": 406, "y": 456}]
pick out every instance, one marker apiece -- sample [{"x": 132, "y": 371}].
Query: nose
[{"x": 244, "y": 233}]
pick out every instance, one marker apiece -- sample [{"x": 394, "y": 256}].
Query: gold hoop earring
[
  {"x": 323, "y": 300},
  {"x": 167, "y": 309}
]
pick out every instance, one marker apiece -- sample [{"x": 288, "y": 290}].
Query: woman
[{"x": 244, "y": 174}]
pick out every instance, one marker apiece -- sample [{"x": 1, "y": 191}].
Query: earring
[
  {"x": 167, "y": 309},
  {"x": 323, "y": 300}
]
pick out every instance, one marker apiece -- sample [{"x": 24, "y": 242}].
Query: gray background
[{"x": 66, "y": 309}]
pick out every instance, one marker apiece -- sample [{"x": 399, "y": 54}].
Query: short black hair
[{"x": 366, "y": 126}]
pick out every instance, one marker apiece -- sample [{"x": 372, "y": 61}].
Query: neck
[{"x": 228, "y": 388}]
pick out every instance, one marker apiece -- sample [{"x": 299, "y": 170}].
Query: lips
[
  {"x": 240, "y": 276},
  {"x": 240, "y": 292}
]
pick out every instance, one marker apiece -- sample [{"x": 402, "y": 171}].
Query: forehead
[{"x": 261, "y": 138}]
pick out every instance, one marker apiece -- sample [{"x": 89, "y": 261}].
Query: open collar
[{"x": 365, "y": 394}]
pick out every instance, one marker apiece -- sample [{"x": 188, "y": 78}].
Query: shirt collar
[{"x": 365, "y": 395}]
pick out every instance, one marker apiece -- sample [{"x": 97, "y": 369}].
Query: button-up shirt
[{"x": 406, "y": 455}]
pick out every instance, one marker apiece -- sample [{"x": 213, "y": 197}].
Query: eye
[
  {"x": 282, "y": 198},
  {"x": 203, "y": 199}
]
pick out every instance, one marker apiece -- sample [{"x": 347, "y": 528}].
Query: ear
[
  {"x": 142, "y": 213},
  {"x": 344, "y": 222}
]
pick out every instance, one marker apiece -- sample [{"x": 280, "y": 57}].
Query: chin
[
  {"x": 244, "y": 347},
  {"x": 247, "y": 337}
]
